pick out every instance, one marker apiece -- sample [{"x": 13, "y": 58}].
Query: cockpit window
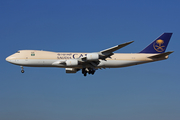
[{"x": 18, "y": 52}]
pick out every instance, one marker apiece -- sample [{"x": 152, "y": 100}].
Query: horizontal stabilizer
[{"x": 161, "y": 55}]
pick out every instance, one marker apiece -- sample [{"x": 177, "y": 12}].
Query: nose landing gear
[{"x": 22, "y": 69}]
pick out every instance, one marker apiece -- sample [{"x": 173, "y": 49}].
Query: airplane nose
[
  {"x": 12, "y": 58},
  {"x": 9, "y": 58}
]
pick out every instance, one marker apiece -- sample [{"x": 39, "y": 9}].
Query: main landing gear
[
  {"x": 22, "y": 69},
  {"x": 88, "y": 70}
]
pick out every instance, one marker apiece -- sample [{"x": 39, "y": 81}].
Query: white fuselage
[{"x": 36, "y": 58}]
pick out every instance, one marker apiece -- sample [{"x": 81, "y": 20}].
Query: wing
[
  {"x": 108, "y": 52},
  {"x": 112, "y": 49},
  {"x": 92, "y": 59}
]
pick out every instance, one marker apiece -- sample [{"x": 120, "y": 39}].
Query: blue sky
[{"x": 148, "y": 91}]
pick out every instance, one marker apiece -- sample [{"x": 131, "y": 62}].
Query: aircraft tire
[
  {"x": 22, "y": 71},
  {"x": 85, "y": 74}
]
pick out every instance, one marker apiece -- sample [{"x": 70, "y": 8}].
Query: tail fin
[{"x": 159, "y": 45}]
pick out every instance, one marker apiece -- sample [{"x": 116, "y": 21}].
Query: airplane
[{"x": 90, "y": 62}]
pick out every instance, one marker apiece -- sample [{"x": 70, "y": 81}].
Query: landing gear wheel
[
  {"x": 83, "y": 70},
  {"x": 85, "y": 73},
  {"x": 90, "y": 71},
  {"x": 93, "y": 72},
  {"x": 22, "y": 71}
]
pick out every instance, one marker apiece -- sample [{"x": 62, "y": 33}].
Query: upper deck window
[{"x": 18, "y": 52}]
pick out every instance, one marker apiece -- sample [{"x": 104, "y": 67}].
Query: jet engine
[
  {"x": 72, "y": 62},
  {"x": 93, "y": 56}
]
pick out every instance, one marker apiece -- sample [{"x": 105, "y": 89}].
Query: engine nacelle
[
  {"x": 93, "y": 56},
  {"x": 71, "y": 62},
  {"x": 71, "y": 70}
]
